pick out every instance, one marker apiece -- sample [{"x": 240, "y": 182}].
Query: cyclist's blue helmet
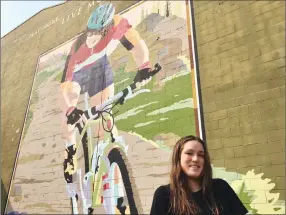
[{"x": 101, "y": 17}]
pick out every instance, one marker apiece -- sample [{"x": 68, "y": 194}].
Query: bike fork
[
  {"x": 113, "y": 192},
  {"x": 71, "y": 190},
  {"x": 86, "y": 199},
  {"x": 74, "y": 205},
  {"x": 98, "y": 159}
]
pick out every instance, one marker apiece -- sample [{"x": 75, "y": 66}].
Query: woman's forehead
[{"x": 193, "y": 145}]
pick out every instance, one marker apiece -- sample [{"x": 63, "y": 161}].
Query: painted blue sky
[{"x": 14, "y": 13}]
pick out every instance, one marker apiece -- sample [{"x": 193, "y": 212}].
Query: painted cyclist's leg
[
  {"x": 117, "y": 138},
  {"x": 113, "y": 134},
  {"x": 110, "y": 124},
  {"x": 98, "y": 159},
  {"x": 69, "y": 170},
  {"x": 70, "y": 164},
  {"x": 70, "y": 94},
  {"x": 98, "y": 99}
]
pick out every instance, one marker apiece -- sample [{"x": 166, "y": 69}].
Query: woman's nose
[{"x": 195, "y": 158}]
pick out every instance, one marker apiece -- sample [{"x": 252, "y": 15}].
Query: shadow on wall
[
  {"x": 15, "y": 212},
  {"x": 3, "y": 197}
]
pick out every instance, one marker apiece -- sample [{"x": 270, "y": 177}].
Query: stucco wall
[{"x": 242, "y": 68}]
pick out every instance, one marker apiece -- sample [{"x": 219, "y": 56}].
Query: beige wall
[{"x": 241, "y": 51}]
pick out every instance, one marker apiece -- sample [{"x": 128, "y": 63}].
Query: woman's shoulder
[
  {"x": 221, "y": 186},
  {"x": 218, "y": 182},
  {"x": 227, "y": 197},
  {"x": 163, "y": 190}
]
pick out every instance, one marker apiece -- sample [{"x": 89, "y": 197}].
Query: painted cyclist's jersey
[{"x": 86, "y": 58}]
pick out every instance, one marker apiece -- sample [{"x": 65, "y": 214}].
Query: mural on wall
[{"x": 106, "y": 109}]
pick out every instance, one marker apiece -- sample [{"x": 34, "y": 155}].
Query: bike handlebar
[
  {"x": 133, "y": 85},
  {"x": 152, "y": 73},
  {"x": 120, "y": 98},
  {"x": 95, "y": 112}
]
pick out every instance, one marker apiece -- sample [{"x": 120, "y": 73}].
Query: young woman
[{"x": 192, "y": 190}]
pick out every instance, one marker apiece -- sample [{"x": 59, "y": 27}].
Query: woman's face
[
  {"x": 92, "y": 39},
  {"x": 192, "y": 159}
]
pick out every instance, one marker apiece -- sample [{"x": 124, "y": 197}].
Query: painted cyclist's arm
[
  {"x": 69, "y": 65},
  {"x": 131, "y": 40},
  {"x": 67, "y": 86}
]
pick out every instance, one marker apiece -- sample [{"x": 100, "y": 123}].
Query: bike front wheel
[{"x": 118, "y": 192}]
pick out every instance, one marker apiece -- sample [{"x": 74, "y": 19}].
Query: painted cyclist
[{"x": 87, "y": 69}]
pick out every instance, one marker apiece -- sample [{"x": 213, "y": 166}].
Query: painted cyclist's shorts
[{"x": 94, "y": 78}]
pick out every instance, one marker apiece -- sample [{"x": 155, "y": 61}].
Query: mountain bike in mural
[{"x": 106, "y": 180}]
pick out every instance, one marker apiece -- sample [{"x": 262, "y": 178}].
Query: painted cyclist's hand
[
  {"x": 142, "y": 77},
  {"x": 74, "y": 116}
]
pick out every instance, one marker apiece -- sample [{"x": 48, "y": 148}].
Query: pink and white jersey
[{"x": 86, "y": 57}]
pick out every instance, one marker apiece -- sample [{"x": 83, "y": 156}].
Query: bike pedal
[
  {"x": 76, "y": 196},
  {"x": 120, "y": 205},
  {"x": 90, "y": 210}
]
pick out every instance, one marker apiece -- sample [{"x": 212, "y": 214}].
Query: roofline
[{"x": 32, "y": 17}]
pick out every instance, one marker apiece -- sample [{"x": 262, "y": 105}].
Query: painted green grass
[
  {"x": 28, "y": 122},
  {"x": 41, "y": 77},
  {"x": 58, "y": 77},
  {"x": 180, "y": 122},
  {"x": 246, "y": 199}
]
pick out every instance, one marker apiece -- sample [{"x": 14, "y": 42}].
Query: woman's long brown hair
[{"x": 181, "y": 203}]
